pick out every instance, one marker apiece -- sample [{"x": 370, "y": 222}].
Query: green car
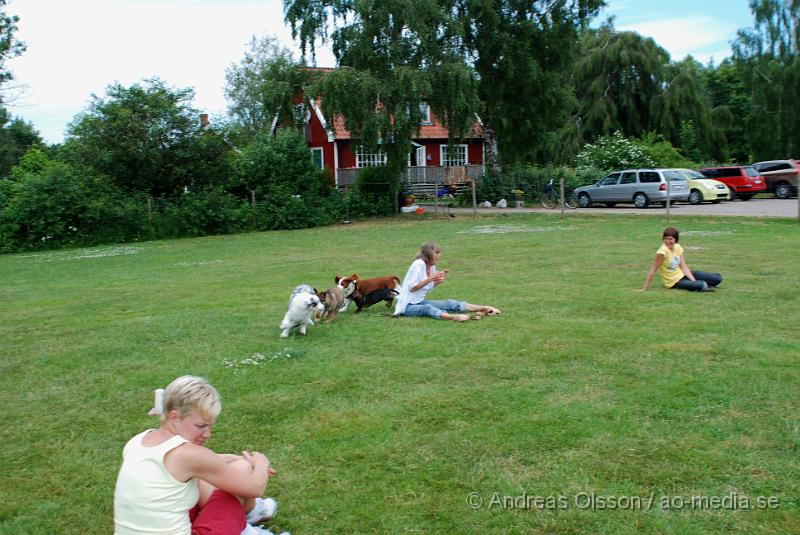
[{"x": 702, "y": 189}]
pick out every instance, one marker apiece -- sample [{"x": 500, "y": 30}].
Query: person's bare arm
[
  {"x": 437, "y": 278},
  {"x": 686, "y": 271},
  {"x": 657, "y": 262},
  {"x": 200, "y": 462}
]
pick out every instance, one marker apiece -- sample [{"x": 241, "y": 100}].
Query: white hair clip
[{"x": 158, "y": 407}]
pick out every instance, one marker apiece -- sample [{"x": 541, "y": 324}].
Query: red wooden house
[{"x": 430, "y": 162}]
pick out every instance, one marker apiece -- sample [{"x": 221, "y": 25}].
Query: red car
[{"x": 743, "y": 180}]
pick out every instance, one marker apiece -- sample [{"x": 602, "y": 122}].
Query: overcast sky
[{"x": 79, "y": 47}]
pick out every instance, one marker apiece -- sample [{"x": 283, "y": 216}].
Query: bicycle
[{"x": 551, "y": 197}]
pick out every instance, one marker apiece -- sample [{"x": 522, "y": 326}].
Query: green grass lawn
[{"x": 583, "y": 387}]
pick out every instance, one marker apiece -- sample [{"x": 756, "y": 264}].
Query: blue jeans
[
  {"x": 703, "y": 279},
  {"x": 434, "y": 309}
]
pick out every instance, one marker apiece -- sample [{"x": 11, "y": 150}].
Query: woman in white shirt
[
  {"x": 421, "y": 278},
  {"x": 171, "y": 484}
]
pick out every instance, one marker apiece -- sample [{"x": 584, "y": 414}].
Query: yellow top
[{"x": 670, "y": 268}]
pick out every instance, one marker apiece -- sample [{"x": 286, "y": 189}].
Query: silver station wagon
[{"x": 638, "y": 186}]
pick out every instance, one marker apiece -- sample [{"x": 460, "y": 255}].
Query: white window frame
[
  {"x": 321, "y": 156},
  {"x": 425, "y": 110},
  {"x": 444, "y": 161},
  {"x": 369, "y": 159},
  {"x": 422, "y": 161}
]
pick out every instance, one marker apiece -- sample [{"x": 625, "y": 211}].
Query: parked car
[
  {"x": 781, "y": 176},
  {"x": 702, "y": 189},
  {"x": 744, "y": 181},
  {"x": 638, "y": 186}
]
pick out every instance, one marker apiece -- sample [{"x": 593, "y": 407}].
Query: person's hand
[{"x": 255, "y": 458}]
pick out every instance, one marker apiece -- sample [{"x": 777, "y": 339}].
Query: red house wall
[
  {"x": 347, "y": 158},
  {"x": 318, "y": 138},
  {"x": 475, "y": 153}
]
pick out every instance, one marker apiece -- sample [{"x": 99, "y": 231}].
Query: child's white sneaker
[
  {"x": 255, "y": 530},
  {"x": 263, "y": 509}
]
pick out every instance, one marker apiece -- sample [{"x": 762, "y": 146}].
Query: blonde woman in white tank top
[{"x": 167, "y": 472}]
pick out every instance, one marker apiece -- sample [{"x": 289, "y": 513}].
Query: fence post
[
  {"x": 561, "y": 188},
  {"x": 253, "y": 201},
  {"x": 436, "y": 195},
  {"x": 474, "y": 199},
  {"x": 669, "y": 195},
  {"x": 149, "y": 211}
]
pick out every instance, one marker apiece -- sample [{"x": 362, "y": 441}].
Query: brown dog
[{"x": 332, "y": 299}]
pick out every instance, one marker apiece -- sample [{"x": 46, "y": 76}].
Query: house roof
[
  {"x": 435, "y": 130},
  {"x": 338, "y": 130}
]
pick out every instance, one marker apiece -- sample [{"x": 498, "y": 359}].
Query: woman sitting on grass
[
  {"x": 671, "y": 265},
  {"x": 170, "y": 483},
  {"x": 420, "y": 279}
]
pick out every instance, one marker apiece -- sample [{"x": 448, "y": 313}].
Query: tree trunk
[{"x": 492, "y": 153}]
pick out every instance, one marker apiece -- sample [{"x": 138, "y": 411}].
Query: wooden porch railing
[{"x": 421, "y": 175}]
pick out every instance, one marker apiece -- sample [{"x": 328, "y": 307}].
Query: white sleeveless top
[{"x": 147, "y": 498}]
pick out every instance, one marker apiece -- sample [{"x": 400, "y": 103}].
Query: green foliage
[
  {"x": 206, "y": 211},
  {"x": 10, "y": 46},
  {"x": 262, "y": 85},
  {"x": 617, "y": 77},
  {"x": 276, "y": 164},
  {"x": 280, "y": 171},
  {"x": 614, "y": 152},
  {"x": 143, "y": 137},
  {"x": 392, "y": 56},
  {"x": 685, "y": 103},
  {"x": 532, "y": 179},
  {"x": 767, "y": 60},
  {"x": 523, "y": 53},
  {"x": 16, "y": 137},
  {"x": 57, "y": 205},
  {"x": 377, "y": 188},
  {"x": 662, "y": 153}
]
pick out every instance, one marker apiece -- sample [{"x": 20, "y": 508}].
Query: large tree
[
  {"x": 768, "y": 59},
  {"x": 685, "y": 100},
  {"x": 391, "y": 58},
  {"x": 10, "y": 46},
  {"x": 144, "y": 136},
  {"x": 617, "y": 77},
  {"x": 523, "y": 53},
  {"x": 262, "y": 84},
  {"x": 503, "y": 59},
  {"x": 16, "y": 138}
]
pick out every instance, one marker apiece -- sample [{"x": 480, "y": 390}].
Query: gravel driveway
[{"x": 751, "y": 208}]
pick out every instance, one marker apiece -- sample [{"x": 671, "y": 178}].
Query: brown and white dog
[
  {"x": 364, "y": 286},
  {"x": 348, "y": 286},
  {"x": 333, "y": 300}
]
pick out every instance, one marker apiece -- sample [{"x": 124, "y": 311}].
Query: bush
[
  {"x": 531, "y": 180},
  {"x": 201, "y": 213},
  {"x": 288, "y": 184},
  {"x": 663, "y": 153},
  {"x": 614, "y": 152},
  {"x": 379, "y": 187}
]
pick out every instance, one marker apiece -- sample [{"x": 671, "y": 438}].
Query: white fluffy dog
[{"x": 302, "y": 304}]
